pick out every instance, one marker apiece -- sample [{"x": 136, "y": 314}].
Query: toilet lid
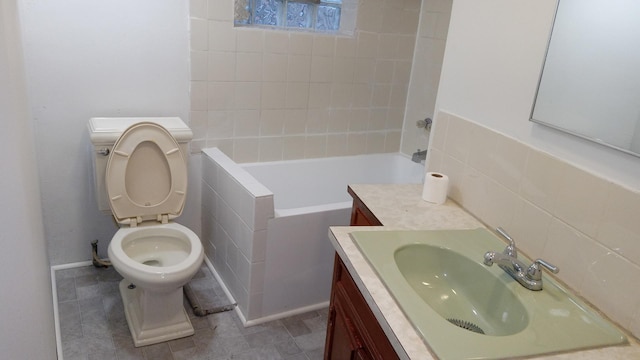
[{"x": 146, "y": 175}]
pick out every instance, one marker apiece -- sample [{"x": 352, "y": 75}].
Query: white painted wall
[
  {"x": 27, "y": 330},
  {"x": 493, "y": 57},
  {"x": 88, "y": 58}
]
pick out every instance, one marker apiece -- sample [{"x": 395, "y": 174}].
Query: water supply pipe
[{"x": 97, "y": 261}]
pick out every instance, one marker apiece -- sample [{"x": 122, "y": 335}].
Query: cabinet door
[
  {"x": 353, "y": 331},
  {"x": 344, "y": 338}
]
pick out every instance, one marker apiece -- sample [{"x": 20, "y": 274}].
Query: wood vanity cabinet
[
  {"x": 353, "y": 332},
  {"x": 360, "y": 213}
]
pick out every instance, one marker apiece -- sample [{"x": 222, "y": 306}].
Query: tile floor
[{"x": 93, "y": 325}]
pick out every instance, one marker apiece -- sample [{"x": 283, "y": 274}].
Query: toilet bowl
[
  {"x": 157, "y": 257},
  {"x": 146, "y": 183},
  {"x": 155, "y": 262}
]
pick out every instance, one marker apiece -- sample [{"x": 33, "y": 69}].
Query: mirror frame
[{"x": 556, "y": 127}]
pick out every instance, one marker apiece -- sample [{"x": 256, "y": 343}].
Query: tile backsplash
[
  {"x": 264, "y": 95},
  {"x": 585, "y": 224}
]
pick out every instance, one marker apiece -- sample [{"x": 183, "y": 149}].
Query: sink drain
[{"x": 466, "y": 325}]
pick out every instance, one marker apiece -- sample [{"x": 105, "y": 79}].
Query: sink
[
  {"x": 441, "y": 278},
  {"x": 463, "y": 309}
]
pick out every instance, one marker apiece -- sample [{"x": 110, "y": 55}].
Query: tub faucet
[
  {"x": 418, "y": 156},
  {"x": 530, "y": 277}
]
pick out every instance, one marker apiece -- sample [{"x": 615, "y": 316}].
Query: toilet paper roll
[{"x": 435, "y": 188}]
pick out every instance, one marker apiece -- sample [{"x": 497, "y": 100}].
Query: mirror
[{"x": 590, "y": 82}]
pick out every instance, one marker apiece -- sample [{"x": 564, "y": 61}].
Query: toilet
[{"x": 145, "y": 186}]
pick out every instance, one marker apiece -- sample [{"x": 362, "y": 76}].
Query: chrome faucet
[
  {"x": 418, "y": 156},
  {"x": 530, "y": 277}
]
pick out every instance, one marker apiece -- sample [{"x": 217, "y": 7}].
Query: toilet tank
[{"x": 104, "y": 132}]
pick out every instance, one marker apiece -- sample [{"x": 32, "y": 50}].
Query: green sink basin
[
  {"x": 441, "y": 277},
  {"x": 466, "y": 310}
]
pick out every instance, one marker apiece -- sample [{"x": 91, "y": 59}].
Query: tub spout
[{"x": 418, "y": 156}]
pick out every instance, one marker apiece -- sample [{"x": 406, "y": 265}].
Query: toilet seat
[{"x": 157, "y": 194}]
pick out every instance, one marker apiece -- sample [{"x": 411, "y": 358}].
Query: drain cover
[{"x": 466, "y": 325}]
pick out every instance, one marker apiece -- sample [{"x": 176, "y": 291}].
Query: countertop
[{"x": 400, "y": 207}]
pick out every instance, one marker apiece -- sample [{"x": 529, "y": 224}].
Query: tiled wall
[
  {"x": 263, "y": 95},
  {"x": 234, "y": 234},
  {"x": 586, "y": 225},
  {"x": 425, "y": 73}
]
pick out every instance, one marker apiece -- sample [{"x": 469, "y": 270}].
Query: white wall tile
[
  {"x": 199, "y": 35},
  {"x": 580, "y": 199},
  {"x": 270, "y": 148},
  {"x": 608, "y": 290},
  {"x": 293, "y": 147},
  {"x": 297, "y": 95},
  {"x": 274, "y": 67},
  {"x": 367, "y": 45},
  {"x": 248, "y": 66},
  {"x": 257, "y": 278},
  {"x": 315, "y": 146},
  {"x": 323, "y": 45},
  {"x": 272, "y": 122},
  {"x": 530, "y": 227},
  {"x": 198, "y": 8},
  {"x": 199, "y": 95},
  {"x": 276, "y": 42},
  {"x": 300, "y": 44},
  {"x": 274, "y": 95},
  {"x": 247, "y": 95},
  {"x": 220, "y": 10},
  {"x": 221, "y": 66},
  {"x": 199, "y": 64},
  {"x": 249, "y": 40},
  {"x": 299, "y": 68},
  {"x": 246, "y": 150},
  {"x": 540, "y": 181},
  {"x": 220, "y": 95},
  {"x": 321, "y": 69},
  {"x": 246, "y": 123},
  {"x": 222, "y": 36},
  {"x": 259, "y": 242},
  {"x": 619, "y": 228}
]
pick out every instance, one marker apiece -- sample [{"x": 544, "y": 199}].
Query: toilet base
[{"x": 154, "y": 317}]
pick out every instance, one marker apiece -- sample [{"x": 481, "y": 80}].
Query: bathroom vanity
[{"x": 365, "y": 321}]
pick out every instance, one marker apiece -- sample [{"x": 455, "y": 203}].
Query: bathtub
[{"x": 265, "y": 225}]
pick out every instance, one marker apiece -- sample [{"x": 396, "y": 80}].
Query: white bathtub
[{"x": 265, "y": 225}]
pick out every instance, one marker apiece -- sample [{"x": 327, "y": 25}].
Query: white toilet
[{"x": 145, "y": 178}]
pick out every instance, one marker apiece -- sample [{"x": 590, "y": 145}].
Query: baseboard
[
  {"x": 54, "y": 293},
  {"x": 286, "y": 314}
]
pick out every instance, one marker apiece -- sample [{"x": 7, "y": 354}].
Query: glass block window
[{"x": 320, "y": 15}]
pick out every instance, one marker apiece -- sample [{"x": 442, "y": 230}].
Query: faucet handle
[
  {"x": 511, "y": 249},
  {"x": 534, "y": 272}
]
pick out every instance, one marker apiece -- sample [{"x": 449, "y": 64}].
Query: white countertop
[{"x": 400, "y": 207}]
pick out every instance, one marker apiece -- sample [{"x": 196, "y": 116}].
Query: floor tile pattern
[{"x": 93, "y": 325}]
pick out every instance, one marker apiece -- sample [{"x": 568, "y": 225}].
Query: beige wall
[{"x": 262, "y": 95}]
